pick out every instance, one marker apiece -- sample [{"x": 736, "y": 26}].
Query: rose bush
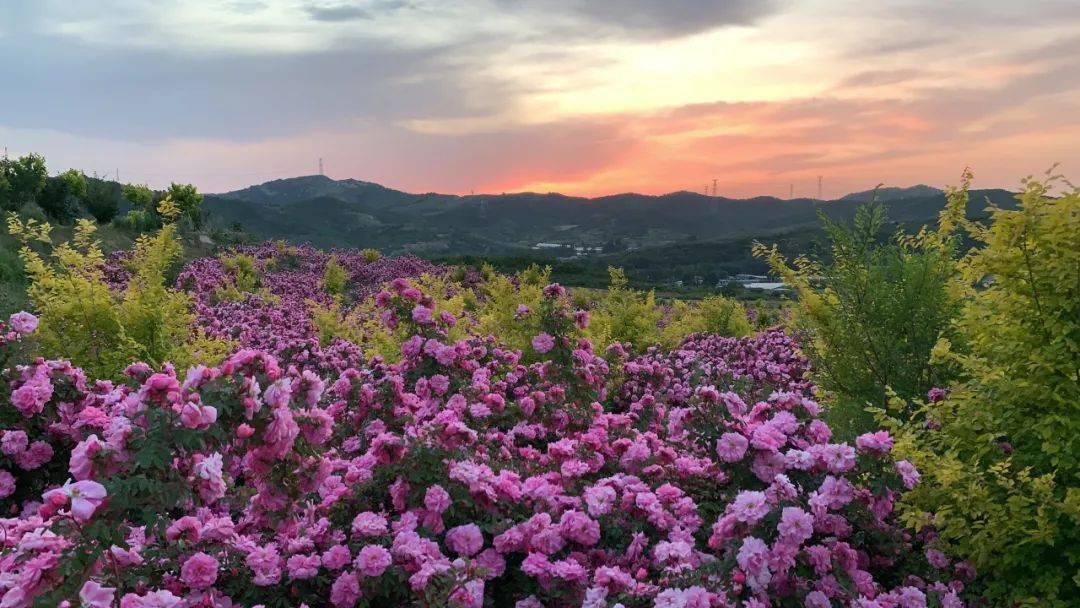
[{"x": 460, "y": 475}]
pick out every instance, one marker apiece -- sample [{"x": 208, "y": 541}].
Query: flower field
[{"x": 465, "y": 473}]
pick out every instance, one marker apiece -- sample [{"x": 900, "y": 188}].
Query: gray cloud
[
  {"x": 651, "y": 18},
  {"x": 351, "y": 11}
]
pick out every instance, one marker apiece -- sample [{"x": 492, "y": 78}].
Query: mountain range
[{"x": 353, "y": 213}]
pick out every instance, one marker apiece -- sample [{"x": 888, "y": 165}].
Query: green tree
[
  {"x": 1000, "y": 462},
  {"x": 62, "y": 194},
  {"x": 101, "y": 200},
  {"x": 140, "y": 196},
  {"x": 873, "y": 312},
  {"x": 188, "y": 200},
  {"x": 23, "y": 180}
]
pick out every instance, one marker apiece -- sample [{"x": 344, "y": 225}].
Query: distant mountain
[
  {"x": 892, "y": 193},
  {"x": 354, "y": 213}
]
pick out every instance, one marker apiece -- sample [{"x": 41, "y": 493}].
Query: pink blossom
[
  {"x": 23, "y": 322},
  {"x": 372, "y": 560},
  {"x": 94, "y": 595},
  {"x": 543, "y": 342},
  {"x": 731, "y": 447},
  {"x": 200, "y": 571},
  {"x": 465, "y": 540}
]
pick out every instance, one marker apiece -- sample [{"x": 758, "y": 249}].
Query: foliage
[
  {"x": 83, "y": 320},
  {"x": 458, "y": 476},
  {"x": 713, "y": 314},
  {"x": 244, "y": 273},
  {"x": 102, "y": 200},
  {"x": 625, "y": 316},
  {"x": 62, "y": 194},
  {"x": 872, "y": 315},
  {"x": 21, "y": 180},
  {"x": 140, "y": 196},
  {"x": 335, "y": 278},
  {"x": 504, "y": 305},
  {"x": 188, "y": 201},
  {"x": 1001, "y": 455}
]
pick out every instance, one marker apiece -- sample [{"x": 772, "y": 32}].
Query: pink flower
[
  {"x": 302, "y": 566},
  {"x": 85, "y": 497},
  {"x": 579, "y": 527},
  {"x": 543, "y": 342},
  {"x": 465, "y": 540},
  {"x": 13, "y": 442},
  {"x": 345, "y": 590},
  {"x": 82, "y": 457},
  {"x": 372, "y": 560},
  {"x": 908, "y": 473},
  {"x": 874, "y": 443},
  {"x": 266, "y": 564},
  {"x": 599, "y": 500},
  {"x": 749, "y": 506},
  {"x": 200, "y": 571},
  {"x": 23, "y": 322},
  {"x": 94, "y": 595},
  {"x": 422, "y": 315},
  {"x": 7, "y": 484},
  {"x": 369, "y": 524},
  {"x": 436, "y": 499},
  {"x": 336, "y": 557},
  {"x": 731, "y": 447},
  {"x": 796, "y": 526}
]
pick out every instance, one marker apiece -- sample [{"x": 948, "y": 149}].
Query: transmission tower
[
  {"x": 819, "y": 187},
  {"x": 320, "y": 166}
]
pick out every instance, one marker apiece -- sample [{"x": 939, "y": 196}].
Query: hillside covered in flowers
[{"x": 463, "y": 473}]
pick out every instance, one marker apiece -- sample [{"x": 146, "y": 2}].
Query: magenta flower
[
  {"x": 465, "y": 540},
  {"x": 23, "y": 322},
  {"x": 200, "y": 571},
  {"x": 543, "y": 342},
  {"x": 93, "y": 595},
  {"x": 85, "y": 498}
]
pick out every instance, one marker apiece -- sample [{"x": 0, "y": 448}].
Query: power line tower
[
  {"x": 819, "y": 188},
  {"x": 320, "y": 166},
  {"x": 714, "y": 186}
]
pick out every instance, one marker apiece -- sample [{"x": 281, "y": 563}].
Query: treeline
[{"x": 25, "y": 183}]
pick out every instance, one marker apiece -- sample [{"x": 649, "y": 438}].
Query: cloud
[{"x": 652, "y": 18}]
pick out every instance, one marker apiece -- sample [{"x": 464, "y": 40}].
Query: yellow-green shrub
[
  {"x": 334, "y": 278},
  {"x": 625, "y": 315},
  {"x": 363, "y": 326},
  {"x": 82, "y": 320},
  {"x": 497, "y": 306},
  {"x": 1001, "y": 461},
  {"x": 244, "y": 273},
  {"x": 713, "y": 314}
]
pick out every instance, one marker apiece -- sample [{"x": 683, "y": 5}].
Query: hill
[{"x": 352, "y": 213}]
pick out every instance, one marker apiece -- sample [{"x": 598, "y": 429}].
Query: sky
[{"x": 584, "y": 97}]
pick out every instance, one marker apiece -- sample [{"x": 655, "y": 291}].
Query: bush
[
  {"x": 335, "y": 278},
  {"x": 713, "y": 314},
  {"x": 625, "y": 316},
  {"x": 83, "y": 321},
  {"x": 872, "y": 314},
  {"x": 456, "y": 477},
  {"x": 1001, "y": 454}
]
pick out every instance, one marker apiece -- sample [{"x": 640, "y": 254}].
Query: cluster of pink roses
[{"x": 461, "y": 476}]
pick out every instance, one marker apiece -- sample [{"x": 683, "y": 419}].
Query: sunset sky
[{"x": 584, "y": 97}]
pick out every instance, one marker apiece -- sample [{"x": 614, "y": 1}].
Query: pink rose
[{"x": 200, "y": 571}]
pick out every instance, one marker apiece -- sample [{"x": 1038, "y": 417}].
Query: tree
[
  {"x": 102, "y": 200},
  {"x": 141, "y": 197},
  {"x": 61, "y": 196},
  {"x": 23, "y": 180},
  {"x": 873, "y": 312},
  {"x": 188, "y": 200}
]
